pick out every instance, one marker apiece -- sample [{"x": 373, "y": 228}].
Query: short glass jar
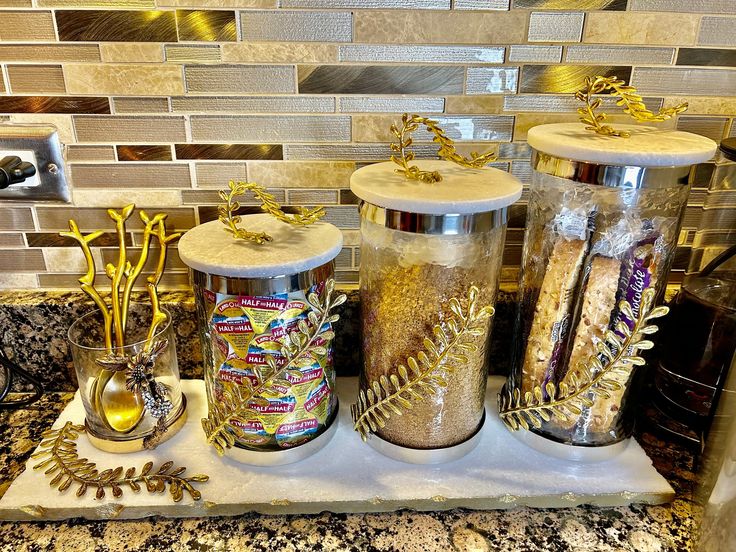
[
  {"x": 602, "y": 226},
  {"x": 248, "y": 298}
]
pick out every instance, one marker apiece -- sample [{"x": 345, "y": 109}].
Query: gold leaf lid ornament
[
  {"x": 446, "y": 151},
  {"x": 302, "y": 217},
  {"x": 629, "y": 99}
]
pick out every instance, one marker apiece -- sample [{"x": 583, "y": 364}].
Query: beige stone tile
[
  {"x": 26, "y": 26},
  {"x": 704, "y": 105},
  {"x": 351, "y": 237},
  {"x": 276, "y": 52},
  {"x": 125, "y": 80},
  {"x": 63, "y": 123},
  {"x": 641, "y": 28},
  {"x": 10, "y": 281},
  {"x": 68, "y": 259},
  {"x": 440, "y": 27},
  {"x": 131, "y": 52},
  {"x": 525, "y": 121},
  {"x": 298, "y": 174},
  {"x": 474, "y": 104},
  {"x": 104, "y": 198},
  {"x": 36, "y": 79},
  {"x": 130, "y": 175}
]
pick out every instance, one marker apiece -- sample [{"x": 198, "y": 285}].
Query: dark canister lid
[{"x": 728, "y": 148}]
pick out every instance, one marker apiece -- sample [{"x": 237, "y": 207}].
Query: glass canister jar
[
  {"x": 603, "y": 218},
  {"x": 424, "y": 245},
  {"x": 250, "y": 298}
]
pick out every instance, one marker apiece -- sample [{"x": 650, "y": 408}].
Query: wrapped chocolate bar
[
  {"x": 603, "y": 219},
  {"x": 266, "y": 325}
]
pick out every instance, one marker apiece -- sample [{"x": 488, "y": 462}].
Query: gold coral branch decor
[
  {"x": 608, "y": 367},
  {"x": 227, "y": 211},
  {"x": 447, "y": 150},
  {"x": 124, "y": 388},
  {"x": 427, "y": 370},
  {"x": 58, "y": 457},
  {"x": 629, "y": 99},
  {"x": 307, "y": 341}
]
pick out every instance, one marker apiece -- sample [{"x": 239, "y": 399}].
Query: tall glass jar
[
  {"x": 248, "y": 298},
  {"x": 424, "y": 244},
  {"x": 603, "y": 218}
]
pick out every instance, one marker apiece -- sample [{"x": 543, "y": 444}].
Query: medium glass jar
[
  {"x": 602, "y": 225},
  {"x": 424, "y": 244},
  {"x": 248, "y": 298}
]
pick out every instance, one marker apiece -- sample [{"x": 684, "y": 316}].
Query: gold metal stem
[
  {"x": 116, "y": 273},
  {"x": 157, "y": 316}
]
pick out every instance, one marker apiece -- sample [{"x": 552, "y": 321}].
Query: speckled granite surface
[{"x": 635, "y": 528}]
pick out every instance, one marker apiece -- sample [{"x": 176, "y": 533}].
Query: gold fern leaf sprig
[
  {"x": 308, "y": 340},
  {"x": 59, "y": 457},
  {"x": 629, "y": 99},
  {"x": 226, "y": 213},
  {"x": 612, "y": 363},
  {"x": 446, "y": 150},
  {"x": 427, "y": 371}
]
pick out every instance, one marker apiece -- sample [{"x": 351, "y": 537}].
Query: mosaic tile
[{"x": 380, "y": 79}]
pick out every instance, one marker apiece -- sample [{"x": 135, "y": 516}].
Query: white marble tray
[{"x": 346, "y": 476}]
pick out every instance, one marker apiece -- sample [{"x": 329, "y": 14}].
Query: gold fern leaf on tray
[
  {"x": 58, "y": 457},
  {"x": 425, "y": 375},
  {"x": 309, "y": 339},
  {"x": 613, "y": 361}
]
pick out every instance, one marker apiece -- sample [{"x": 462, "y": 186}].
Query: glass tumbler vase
[{"x": 120, "y": 415}]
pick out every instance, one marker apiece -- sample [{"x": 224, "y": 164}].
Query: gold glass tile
[
  {"x": 49, "y": 52},
  {"x": 89, "y": 219},
  {"x": 228, "y": 151},
  {"x": 144, "y": 153},
  {"x": 124, "y": 79},
  {"x": 131, "y": 52},
  {"x": 43, "y": 79},
  {"x": 21, "y": 260},
  {"x": 116, "y": 26},
  {"x": 279, "y": 52},
  {"x": 571, "y": 4},
  {"x": 380, "y": 79},
  {"x": 641, "y": 28},
  {"x": 399, "y": 27},
  {"x": 239, "y": 79},
  {"x": 11, "y": 239},
  {"x": 217, "y": 175},
  {"x": 347, "y": 197},
  {"x": 556, "y": 79},
  {"x": 176, "y": 52},
  {"x": 203, "y": 25},
  {"x": 53, "y": 104},
  {"x": 15, "y": 218},
  {"x": 101, "y": 129},
  {"x": 141, "y": 105},
  {"x": 53, "y": 239},
  {"x": 125, "y": 175},
  {"x": 28, "y": 26},
  {"x": 301, "y": 174}
]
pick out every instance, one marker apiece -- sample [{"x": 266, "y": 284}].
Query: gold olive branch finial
[
  {"x": 447, "y": 150},
  {"x": 629, "y": 99},
  {"x": 226, "y": 212},
  {"x": 115, "y": 306}
]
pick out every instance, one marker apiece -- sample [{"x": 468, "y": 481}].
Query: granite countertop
[{"x": 638, "y": 527}]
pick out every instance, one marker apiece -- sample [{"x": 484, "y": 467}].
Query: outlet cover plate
[{"x": 39, "y": 144}]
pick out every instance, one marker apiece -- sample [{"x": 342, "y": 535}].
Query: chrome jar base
[{"x": 575, "y": 453}]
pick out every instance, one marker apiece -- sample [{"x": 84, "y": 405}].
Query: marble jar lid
[
  {"x": 461, "y": 190},
  {"x": 209, "y": 248},
  {"x": 646, "y": 147}
]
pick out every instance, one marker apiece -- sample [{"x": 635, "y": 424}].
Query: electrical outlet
[{"x": 40, "y": 146}]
